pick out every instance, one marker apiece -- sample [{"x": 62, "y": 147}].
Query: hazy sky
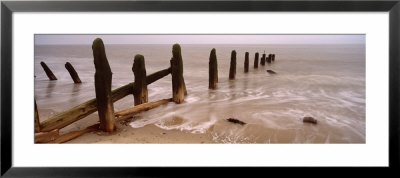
[{"x": 201, "y": 39}]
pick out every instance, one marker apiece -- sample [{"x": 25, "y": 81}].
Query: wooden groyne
[
  {"x": 47, "y": 131},
  {"x": 105, "y": 97}
]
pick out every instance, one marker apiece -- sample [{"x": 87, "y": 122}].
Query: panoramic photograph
[{"x": 199, "y": 89}]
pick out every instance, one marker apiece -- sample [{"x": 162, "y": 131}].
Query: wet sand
[{"x": 146, "y": 134}]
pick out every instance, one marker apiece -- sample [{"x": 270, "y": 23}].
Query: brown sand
[
  {"x": 126, "y": 134},
  {"x": 146, "y": 134}
]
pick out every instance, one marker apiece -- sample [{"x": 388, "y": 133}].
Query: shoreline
[{"x": 143, "y": 135}]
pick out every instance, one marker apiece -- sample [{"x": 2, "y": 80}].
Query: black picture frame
[{"x": 8, "y": 7}]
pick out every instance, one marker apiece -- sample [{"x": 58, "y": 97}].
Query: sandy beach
[
  {"x": 146, "y": 134},
  {"x": 126, "y": 134}
]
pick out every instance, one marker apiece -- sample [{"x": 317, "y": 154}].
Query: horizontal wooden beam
[{"x": 141, "y": 107}]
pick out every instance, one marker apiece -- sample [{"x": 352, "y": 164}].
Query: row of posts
[
  {"x": 103, "y": 82},
  {"x": 213, "y": 66},
  {"x": 103, "y": 78},
  {"x": 68, "y": 66}
]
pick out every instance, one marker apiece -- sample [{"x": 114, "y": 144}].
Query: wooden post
[
  {"x": 73, "y": 73},
  {"x": 37, "y": 123},
  {"x": 273, "y": 57},
  {"x": 178, "y": 83},
  {"x": 263, "y": 60},
  {"x": 269, "y": 58},
  {"x": 256, "y": 61},
  {"x": 49, "y": 73},
  {"x": 246, "y": 62},
  {"x": 232, "y": 69},
  {"x": 212, "y": 70},
  {"x": 102, "y": 82},
  {"x": 140, "y": 88}
]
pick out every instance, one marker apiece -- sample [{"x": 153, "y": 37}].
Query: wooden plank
[
  {"x": 121, "y": 115},
  {"x": 142, "y": 107},
  {"x": 69, "y": 136},
  {"x": 44, "y": 137}
]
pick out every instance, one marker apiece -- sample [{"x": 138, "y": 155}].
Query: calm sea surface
[{"x": 326, "y": 82}]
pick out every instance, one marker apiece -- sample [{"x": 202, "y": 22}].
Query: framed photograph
[{"x": 103, "y": 88}]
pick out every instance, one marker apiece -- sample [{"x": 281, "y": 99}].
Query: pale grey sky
[{"x": 201, "y": 39}]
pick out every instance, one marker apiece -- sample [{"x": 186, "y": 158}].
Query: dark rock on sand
[
  {"x": 236, "y": 121},
  {"x": 309, "y": 120},
  {"x": 271, "y": 72}
]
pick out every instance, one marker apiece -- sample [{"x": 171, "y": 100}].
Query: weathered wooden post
[
  {"x": 269, "y": 58},
  {"x": 263, "y": 60},
  {"x": 102, "y": 82},
  {"x": 273, "y": 57},
  {"x": 232, "y": 69},
  {"x": 140, "y": 88},
  {"x": 178, "y": 83},
  {"x": 37, "y": 123},
  {"x": 256, "y": 61},
  {"x": 73, "y": 73},
  {"x": 49, "y": 73},
  {"x": 246, "y": 62},
  {"x": 213, "y": 70}
]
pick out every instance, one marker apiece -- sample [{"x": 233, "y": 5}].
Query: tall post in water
[
  {"x": 269, "y": 58},
  {"x": 273, "y": 57},
  {"x": 213, "y": 70},
  {"x": 102, "y": 83},
  {"x": 140, "y": 87},
  {"x": 178, "y": 83},
  {"x": 49, "y": 73},
  {"x": 263, "y": 60},
  {"x": 232, "y": 69},
  {"x": 246, "y": 62},
  {"x": 256, "y": 61},
  {"x": 37, "y": 123},
  {"x": 73, "y": 73}
]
